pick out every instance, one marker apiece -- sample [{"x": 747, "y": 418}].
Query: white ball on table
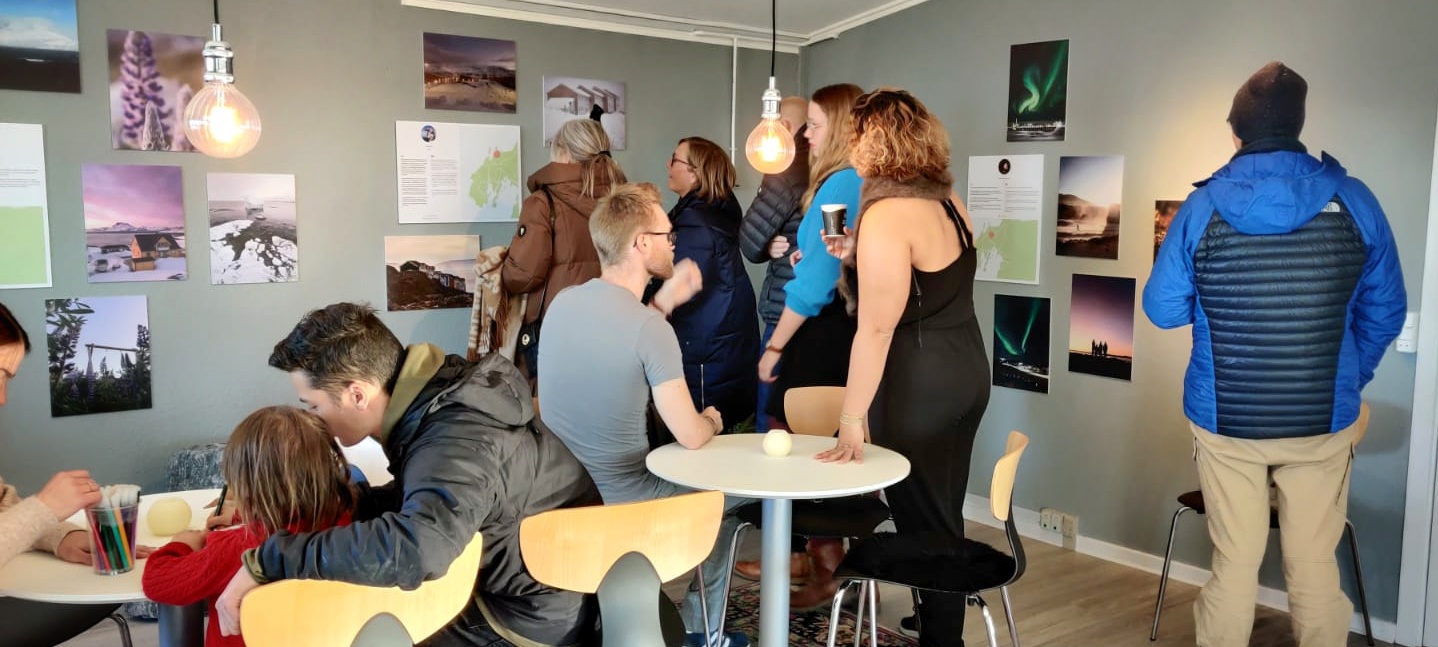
[
  {"x": 168, "y": 516},
  {"x": 778, "y": 443}
]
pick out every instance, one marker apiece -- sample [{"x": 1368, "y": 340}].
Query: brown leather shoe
[
  {"x": 819, "y": 592},
  {"x": 799, "y": 569}
]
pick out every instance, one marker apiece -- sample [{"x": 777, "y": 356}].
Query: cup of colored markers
[{"x": 112, "y": 530}]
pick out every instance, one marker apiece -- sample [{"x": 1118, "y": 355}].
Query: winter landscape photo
[
  {"x": 1089, "y": 206},
  {"x": 1101, "y": 326},
  {"x": 252, "y": 228},
  {"x": 1038, "y": 91},
  {"x": 152, "y": 78},
  {"x": 430, "y": 272},
  {"x": 39, "y": 46},
  {"x": 568, "y": 98},
  {"x": 464, "y": 73},
  {"x": 1021, "y": 342},
  {"x": 134, "y": 222},
  {"x": 99, "y": 354}
]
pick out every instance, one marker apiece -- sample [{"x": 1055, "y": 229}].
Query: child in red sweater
[{"x": 285, "y": 473}]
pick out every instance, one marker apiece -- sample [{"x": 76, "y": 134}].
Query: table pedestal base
[
  {"x": 182, "y": 626},
  {"x": 774, "y": 582}
]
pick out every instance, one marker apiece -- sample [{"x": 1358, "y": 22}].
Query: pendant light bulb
[
  {"x": 219, "y": 120},
  {"x": 770, "y": 147}
]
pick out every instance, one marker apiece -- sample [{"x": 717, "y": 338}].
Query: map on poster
[
  {"x": 457, "y": 172},
  {"x": 1005, "y": 204}
]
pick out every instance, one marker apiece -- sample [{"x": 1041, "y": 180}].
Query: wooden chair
[
  {"x": 624, "y": 553},
  {"x": 321, "y": 613},
  {"x": 970, "y": 569},
  {"x": 1193, "y": 502}
]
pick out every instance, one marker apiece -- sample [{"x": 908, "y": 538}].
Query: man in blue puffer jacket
[{"x": 1288, "y": 272}]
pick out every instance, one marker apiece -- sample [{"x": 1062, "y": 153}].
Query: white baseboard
[{"x": 976, "y": 509}]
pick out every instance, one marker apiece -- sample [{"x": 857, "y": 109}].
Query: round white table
[
  {"x": 736, "y": 464},
  {"x": 45, "y": 578}
]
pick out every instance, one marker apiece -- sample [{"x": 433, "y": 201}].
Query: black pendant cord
[
  {"x": 217, "y": 12},
  {"x": 773, "y": 32}
]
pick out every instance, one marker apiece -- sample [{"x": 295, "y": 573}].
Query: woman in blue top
[{"x": 815, "y": 333}]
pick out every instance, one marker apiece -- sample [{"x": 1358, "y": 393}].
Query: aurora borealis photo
[{"x": 1038, "y": 91}]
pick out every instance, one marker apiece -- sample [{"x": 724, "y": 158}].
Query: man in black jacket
[
  {"x": 467, "y": 454},
  {"x": 769, "y": 228}
]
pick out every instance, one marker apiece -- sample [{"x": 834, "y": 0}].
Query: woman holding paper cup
[
  {"x": 37, "y": 523},
  {"x": 919, "y": 371},
  {"x": 814, "y": 332}
]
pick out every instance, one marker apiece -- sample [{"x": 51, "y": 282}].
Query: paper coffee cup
[{"x": 833, "y": 218}]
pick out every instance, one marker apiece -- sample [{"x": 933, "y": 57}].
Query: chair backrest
[
  {"x": 319, "y": 613},
  {"x": 1001, "y": 489},
  {"x": 573, "y": 548},
  {"x": 814, "y": 410}
]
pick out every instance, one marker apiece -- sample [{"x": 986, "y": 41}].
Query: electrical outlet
[
  {"x": 1051, "y": 520},
  {"x": 1068, "y": 526}
]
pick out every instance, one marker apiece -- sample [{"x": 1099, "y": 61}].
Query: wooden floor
[{"x": 1064, "y": 600}]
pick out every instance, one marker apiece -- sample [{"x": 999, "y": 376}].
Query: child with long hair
[{"x": 285, "y": 473}]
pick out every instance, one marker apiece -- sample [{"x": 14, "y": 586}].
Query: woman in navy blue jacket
[{"x": 718, "y": 330}]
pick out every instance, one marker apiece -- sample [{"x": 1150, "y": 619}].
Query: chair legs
[
  {"x": 1349, "y": 530},
  {"x": 834, "y": 610},
  {"x": 1163, "y": 579},
  {"x": 704, "y": 606},
  {"x": 124, "y": 628},
  {"x": 978, "y": 601},
  {"x": 1358, "y": 574},
  {"x": 733, "y": 556},
  {"x": 1009, "y": 613}
]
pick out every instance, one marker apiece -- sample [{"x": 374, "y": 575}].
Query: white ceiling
[{"x": 801, "y": 22}]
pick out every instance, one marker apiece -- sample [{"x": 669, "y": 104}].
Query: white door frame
[{"x": 1418, "y": 516}]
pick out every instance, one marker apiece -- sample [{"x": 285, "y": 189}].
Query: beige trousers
[{"x": 1311, "y": 475}]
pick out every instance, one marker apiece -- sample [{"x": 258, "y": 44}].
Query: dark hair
[
  {"x": 10, "y": 329},
  {"x": 338, "y": 344},
  {"x": 712, "y": 168}
]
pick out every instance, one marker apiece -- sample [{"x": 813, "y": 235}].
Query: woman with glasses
[{"x": 718, "y": 329}]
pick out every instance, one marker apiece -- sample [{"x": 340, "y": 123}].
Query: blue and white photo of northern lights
[
  {"x": 1038, "y": 91},
  {"x": 1021, "y": 342}
]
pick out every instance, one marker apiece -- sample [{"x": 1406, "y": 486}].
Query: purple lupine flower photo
[{"x": 152, "y": 76}]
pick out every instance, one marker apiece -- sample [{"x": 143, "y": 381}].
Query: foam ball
[
  {"x": 777, "y": 443},
  {"x": 168, "y": 516}
]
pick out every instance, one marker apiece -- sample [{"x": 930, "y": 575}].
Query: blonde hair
[
  {"x": 285, "y": 471},
  {"x": 712, "y": 168},
  {"x": 837, "y": 102},
  {"x": 588, "y": 145},
  {"x": 896, "y": 137},
  {"x": 619, "y": 217}
]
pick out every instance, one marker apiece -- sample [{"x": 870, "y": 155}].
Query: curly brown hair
[{"x": 896, "y": 137}]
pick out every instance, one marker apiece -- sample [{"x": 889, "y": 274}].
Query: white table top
[
  {"x": 46, "y": 578},
  {"x": 736, "y": 464}
]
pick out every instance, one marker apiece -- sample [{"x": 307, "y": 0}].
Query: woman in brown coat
[{"x": 552, "y": 250}]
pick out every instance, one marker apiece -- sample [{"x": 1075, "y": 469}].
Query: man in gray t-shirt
[{"x": 605, "y": 354}]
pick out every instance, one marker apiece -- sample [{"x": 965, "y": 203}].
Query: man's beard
[{"x": 661, "y": 269}]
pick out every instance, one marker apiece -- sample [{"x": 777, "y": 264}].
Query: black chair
[
  {"x": 814, "y": 411},
  {"x": 1193, "y": 501},
  {"x": 43, "y": 624},
  {"x": 919, "y": 563}
]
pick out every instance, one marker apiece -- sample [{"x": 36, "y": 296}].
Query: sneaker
[
  {"x": 909, "y": 626},
  {"x": 730, "y": 639}
]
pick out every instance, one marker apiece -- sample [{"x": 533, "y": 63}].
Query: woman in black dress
[{"x": 918, "y": 372}]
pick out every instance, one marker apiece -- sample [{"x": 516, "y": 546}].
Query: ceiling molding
[{"x": 589, "y": 16}]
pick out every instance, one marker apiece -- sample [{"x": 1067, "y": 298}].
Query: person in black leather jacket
[{"x": 468, "y": 455}]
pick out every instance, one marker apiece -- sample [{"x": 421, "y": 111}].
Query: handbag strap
[{"x": 544, "y": 294}]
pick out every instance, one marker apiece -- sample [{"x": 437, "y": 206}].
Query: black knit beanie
[{"x": 1269, "y": 104}]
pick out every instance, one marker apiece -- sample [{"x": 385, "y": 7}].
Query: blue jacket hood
[{"x": 1275, "y": 192}]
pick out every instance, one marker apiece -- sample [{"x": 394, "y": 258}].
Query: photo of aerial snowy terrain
[
  {"x": 566, "y": 98},
  {"x": 252, "y": 228},
  {"x": 134, "y": 223}
]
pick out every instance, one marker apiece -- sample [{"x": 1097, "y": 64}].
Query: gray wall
[
  {"x": 330, "y": 78},
  {"x": 1153, "y": 81}
]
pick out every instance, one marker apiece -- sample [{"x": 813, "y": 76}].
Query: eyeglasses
[
  {"x": 675, "y": 160},
  {"x": 670, "y": 235}
]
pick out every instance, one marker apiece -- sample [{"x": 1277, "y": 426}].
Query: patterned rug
[{"x": 811, "y": 628}]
